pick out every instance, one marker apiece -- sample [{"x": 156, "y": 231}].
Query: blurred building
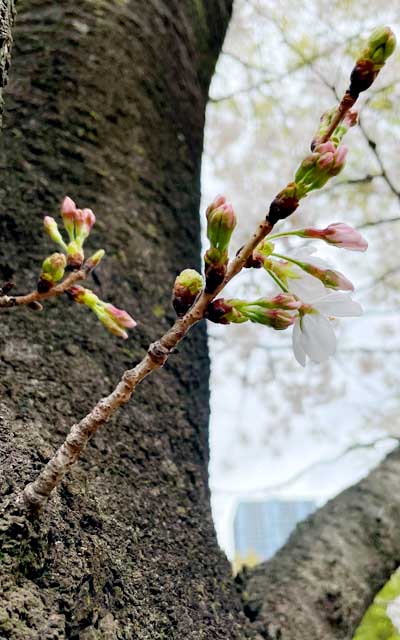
[{"x": 260, "y": 528}]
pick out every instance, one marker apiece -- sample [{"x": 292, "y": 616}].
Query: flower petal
[
  {"x": 306, "y": 287},
  {"x": 319, "y": 340},
  {"x": 298, "y": 350},
  {"x": 338, "y": 304}
]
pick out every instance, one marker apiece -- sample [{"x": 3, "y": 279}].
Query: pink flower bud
[
  {"x": 285, "y": 301},
  {"x": 120, "y": 317},
  {"x": 342, "y": 235},
  {"x": 114, "y": 319},
  {"x": 68, "y": 206},
  {"x": 339, "y": 234},
  {"x": 326, "y": 147},
  {"x": 218, "y": 201},
  {"x": 331, "y": 159},
  {"x": 329, "y": 277},
  {"x": 89, "y": 218}
]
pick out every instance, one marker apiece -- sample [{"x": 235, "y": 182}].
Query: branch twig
[
  {"x": 36, "y": 493},
  {"x": 57, "y": 290}
]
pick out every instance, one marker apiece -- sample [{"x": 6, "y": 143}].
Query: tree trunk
[
  {"x": 6, "y": 22},
  {"x": 106, "y": 104}
]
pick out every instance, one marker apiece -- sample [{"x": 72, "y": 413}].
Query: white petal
[
  {"x": 319, "y": 340},
  {"x": 319, "y": 262},
  {"x": 338, "y": 304},
  {"x": 306, "y": 287},
  {"x": 302, "y": 252},
  {"x": 305, "y": 254},
  {"x": 298, "y": 350}
]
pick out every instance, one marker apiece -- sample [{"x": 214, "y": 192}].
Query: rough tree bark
[
  {"x": 106, "y": 103},
  {"x": 7, "y": 10}
]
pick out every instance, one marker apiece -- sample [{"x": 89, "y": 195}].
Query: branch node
[{"x": 158, "y": 353}]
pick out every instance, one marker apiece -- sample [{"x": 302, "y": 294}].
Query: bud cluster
[
  {"x": 323, "y": 163},
  {"x": 78, "y": 223},
  {"x": 278, "y": 312},
  {"x": 326, "y": 160}
]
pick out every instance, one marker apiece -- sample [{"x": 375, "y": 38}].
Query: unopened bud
[
  {"x": 51, "y": 228},
  {"x": 380, "y": 45},
  {"x": 75, "y": 256},
  {"x": 222, "y": 311},
  {"x": 187, "y": 286},
  {"x": 285, "y": 301},
  {"x": 326, "y": 161},
  {"x": 53, "y": 269},
  {"x": 114, "y": 319},
  {"x": 68, "y": 211},
  {"x": 221, "y": 222},
  {"x": 284, "y": 203},
  {"x": 329, "y": 277},
  {"x": 263, "y": 311},
  {"x": 94, "y": 260},
  {"x": 218, "y": 201},
  {"x": 338, "y": 234}
]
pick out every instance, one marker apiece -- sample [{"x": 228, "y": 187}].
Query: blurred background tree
[{"x": 282, "y": 65}]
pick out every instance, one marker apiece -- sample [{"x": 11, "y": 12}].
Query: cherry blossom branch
[
  {"x": 191, "y": 301},
  {"x": 31, "y": 299},
  {"x": 36, "y": 493}
]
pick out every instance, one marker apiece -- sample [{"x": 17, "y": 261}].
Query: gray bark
[
  {"x": 7, "y": 10},
  {"x": 320, "y": 584}
]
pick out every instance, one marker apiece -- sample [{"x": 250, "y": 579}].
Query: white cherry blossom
[{"x": 313, "y": 335}]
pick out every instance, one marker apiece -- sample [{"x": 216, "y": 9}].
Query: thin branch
[
  {"x": 372, "y": 145},
  {"x": 306, "y": 470},
  {"x": 37, "y": 492},
  {"x": 379, "y": 279},
  {"x": 377, "y": 222},
  {"x": 305, "y": 62},
  {"x": 367, "y": 179},
  {"x": 30, "y": 298}
]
